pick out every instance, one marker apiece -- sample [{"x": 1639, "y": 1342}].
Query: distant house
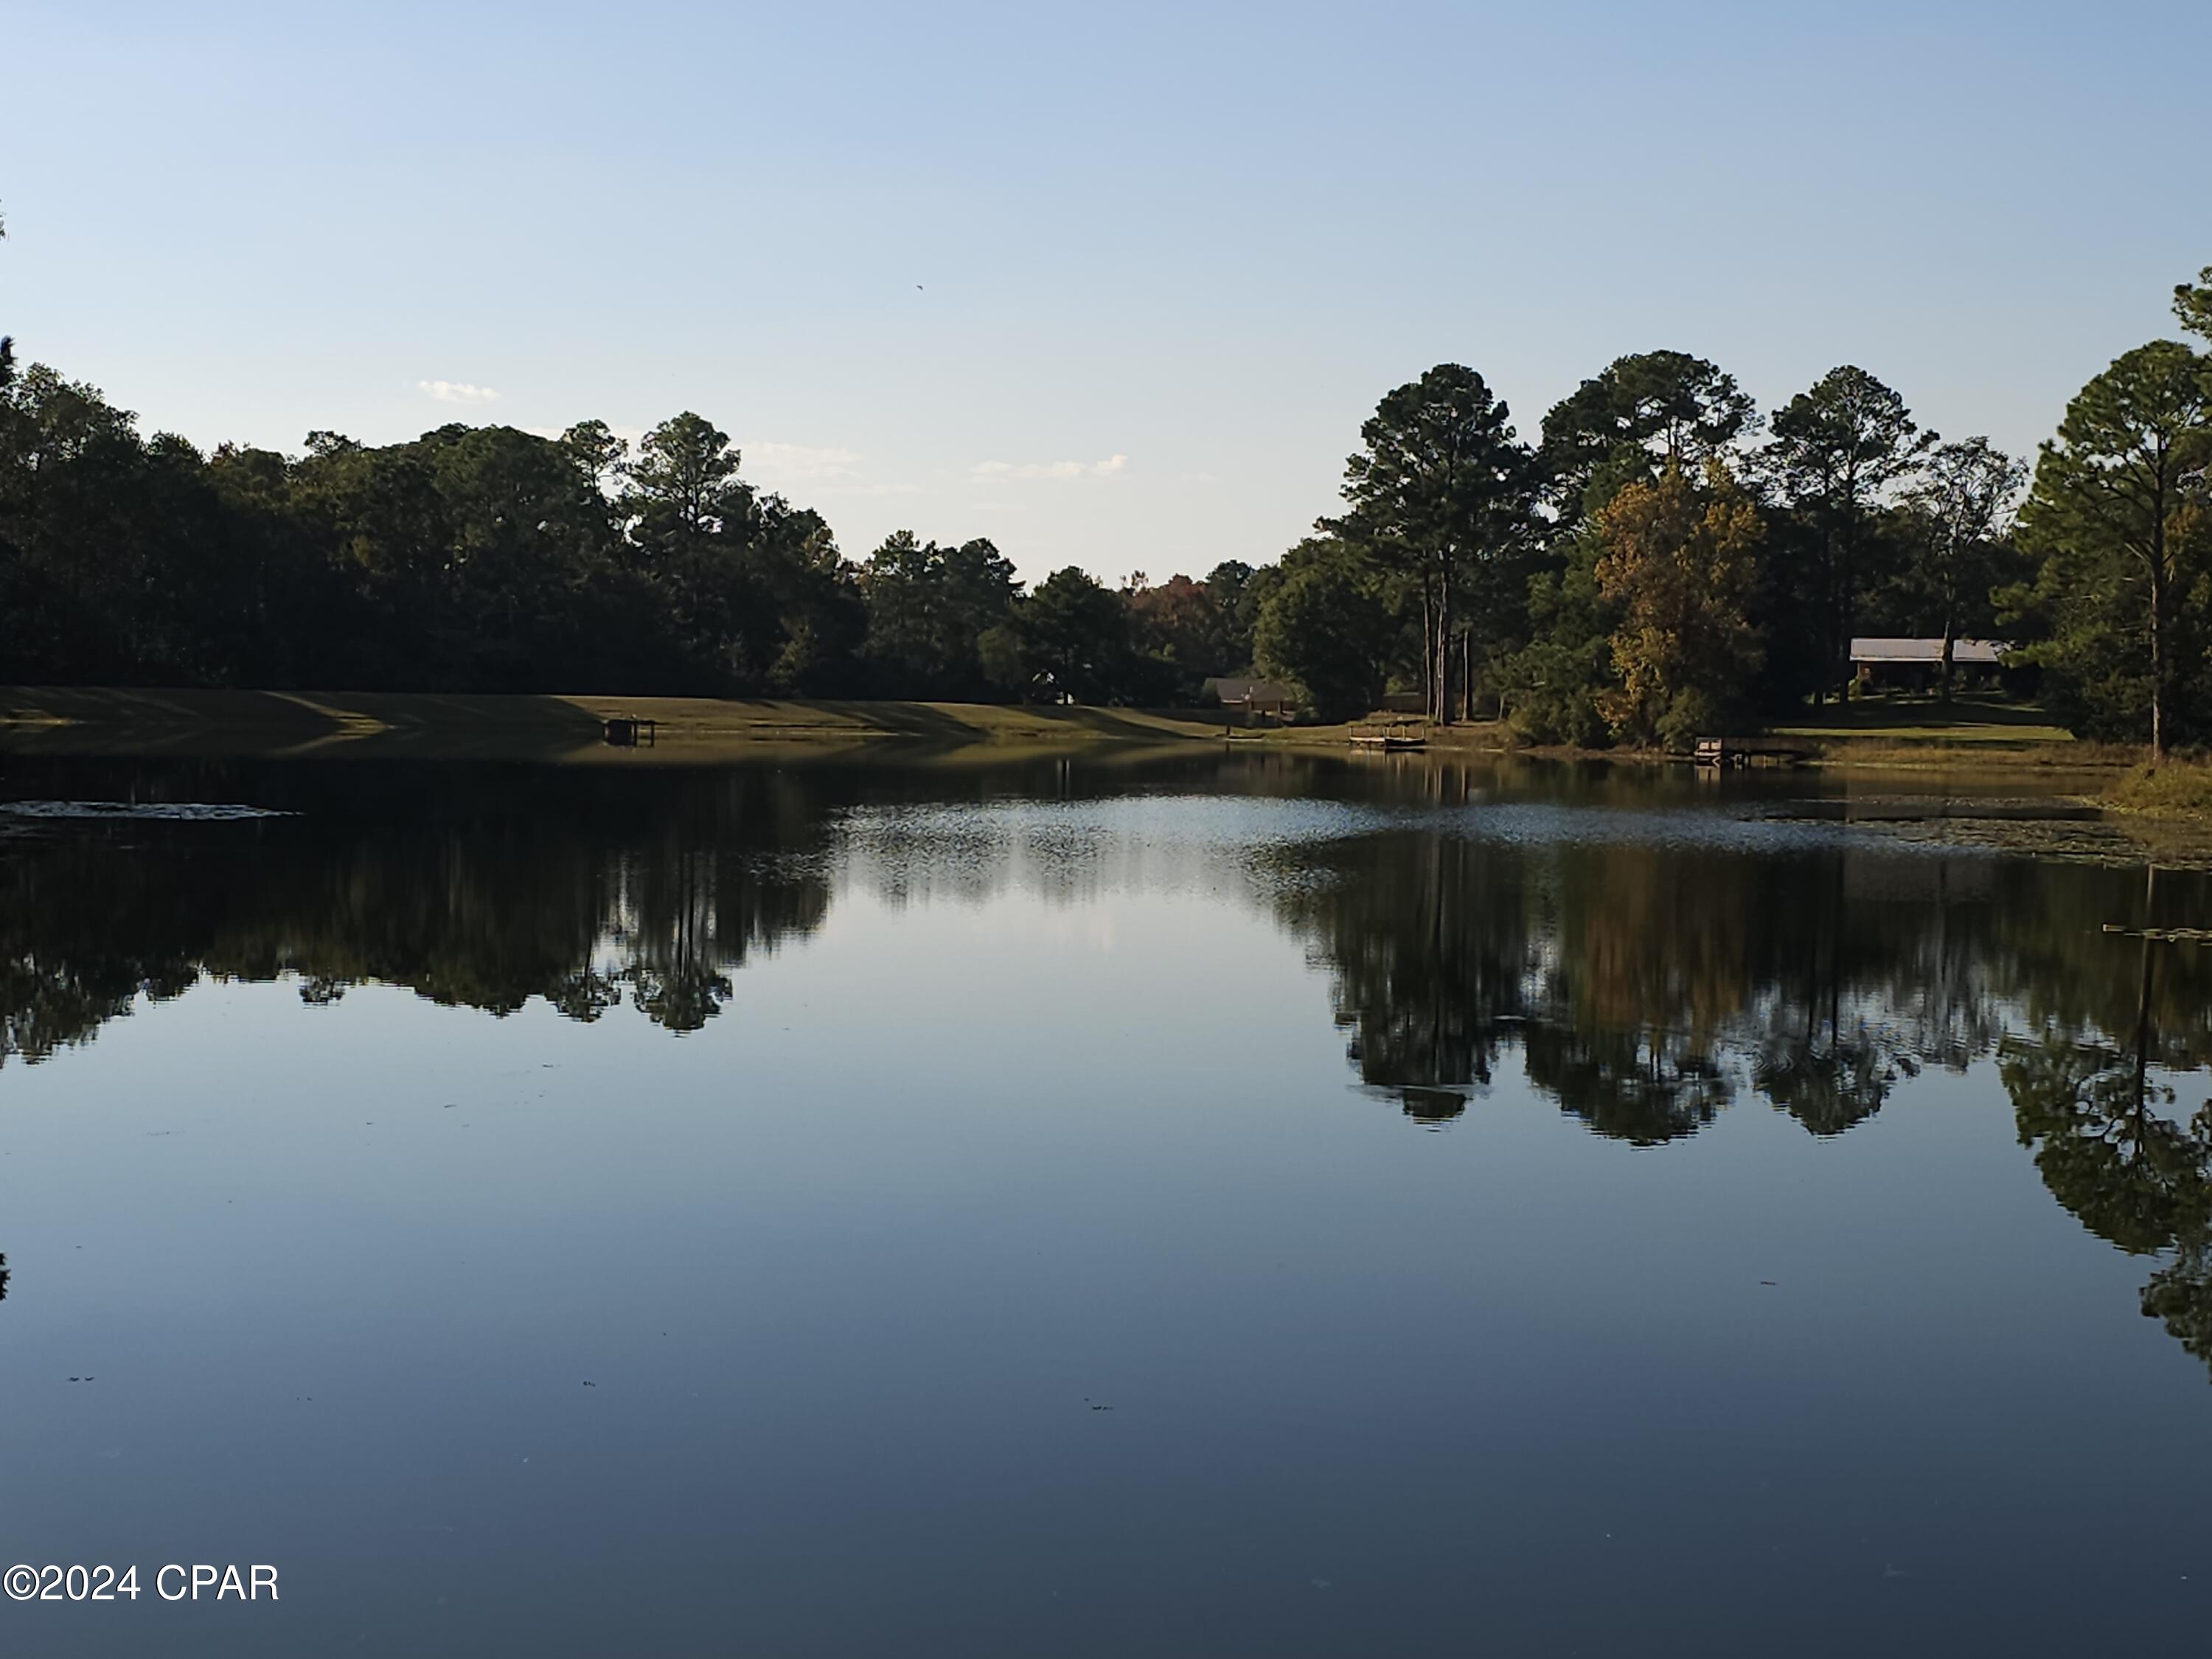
[
  {"x": 1264, "y": 697},
  {"x": 1915, "y": 662}
]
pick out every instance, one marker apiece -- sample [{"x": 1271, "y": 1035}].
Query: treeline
[
  {"x": 1659, "y": 561},
  {"x": 489, "y": 559}
]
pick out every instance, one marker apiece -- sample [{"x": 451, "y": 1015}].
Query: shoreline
[
  {"x": 147, "y": 720},
  {"x": 2137, "y": 814}
]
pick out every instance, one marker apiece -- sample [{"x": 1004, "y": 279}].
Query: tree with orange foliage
[{"x": 1680, "y": 560}]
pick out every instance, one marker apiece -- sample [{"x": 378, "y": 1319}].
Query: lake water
[{"x": 1090, "y": 1206}]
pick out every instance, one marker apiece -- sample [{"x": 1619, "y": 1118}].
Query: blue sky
[{"x": 1113, "y": 287}]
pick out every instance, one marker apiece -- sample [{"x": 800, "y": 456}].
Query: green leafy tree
[
  {"x": 1960, "y": 499},
  {"x": 1551, "y": 687},
  {"x": 1324, "y": 630},
  {"x": 1003, "y": 658},
  {"x": 2124, "y": 549},
  {"x": 1641, "y": 412},
  {"x": 2192, "y": 304},
  {"x": 927, "y": 606},
  {"x": 524, "y": 536},
  {"x": 1440, "y": 492},
  {"x": 597, "y": 453},
  {"x": 1229, "y": 585},
  {"x": 1077, "y": 631},
  {"x": 381, "y": 514},
  {"x": 681, "y": 485},
  {"x": 1837, "y": 452},
  {"x": 814, "y": 595}
]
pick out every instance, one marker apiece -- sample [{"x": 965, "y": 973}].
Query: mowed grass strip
[
  {"x": 1925, "y": 720},
  {"x": 427, "y": 722}
]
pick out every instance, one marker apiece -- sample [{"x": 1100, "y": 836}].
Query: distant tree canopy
[
  {"x": 487, "y": 558},
  {"x": 1611, "y": 585},
  {"x": 1659, "y": 559}
]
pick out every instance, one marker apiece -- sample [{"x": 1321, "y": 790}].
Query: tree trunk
[
  {"x": 1443, "y": 645},
  {"x": 1841, "y": 666},
  {"x": 2157, "y": 660},
  {"x": 1950, "y": 631},
  {"x": 2158, "y": 640},
  {"x": 1428, "y": 650}
]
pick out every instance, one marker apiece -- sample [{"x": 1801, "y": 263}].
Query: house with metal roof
[
  {"x": 1990, "y": 653},
  {"x": 1916, "y": 662}
]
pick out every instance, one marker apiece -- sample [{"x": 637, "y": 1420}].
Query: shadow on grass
[
  {"x": 132, "y": 720},
  {"x": 905, "y": 719},
  {"x": 111, "y": 720}
]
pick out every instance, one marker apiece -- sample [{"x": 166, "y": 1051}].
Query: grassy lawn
[
  {"x": 1925, "y": 721},
  {"x": 131, "y": 720},
  {"x": 1911, "y": 734}
]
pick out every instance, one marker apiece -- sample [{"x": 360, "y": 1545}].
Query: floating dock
[
  {"x": 1393, "y": 738},
  {"x": 1751, "y": 752}
]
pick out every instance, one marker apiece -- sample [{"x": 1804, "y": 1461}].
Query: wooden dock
[
  {"x": 1752, "y": 752},
  {"x": 1394, "y": 737}
]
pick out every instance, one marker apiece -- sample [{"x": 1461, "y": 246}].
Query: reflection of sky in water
[
  {"x": 1081, "y": 849},
  {"x": 1136, "y": 1121}
]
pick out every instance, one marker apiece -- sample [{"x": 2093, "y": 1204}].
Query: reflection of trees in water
[
  {"x": 2128, "y": 1172},
  {"x": 480, "y": 887},
  {"x": 1430, "y": 956},
  {"x": 1646, "y": 984},
  {"x": 476, "y": 891},
  {"x": 2103, "y": 1128},
  {"x": 1640, "y": 976},
  {"x": 1649, "y": 984},
  {"x": 1628, "y": 1086}
]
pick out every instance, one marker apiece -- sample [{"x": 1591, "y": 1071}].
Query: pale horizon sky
[{"x": 1112, "y": 288}]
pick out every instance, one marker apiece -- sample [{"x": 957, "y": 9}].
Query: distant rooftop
[{"x": 1980, "y": 651}]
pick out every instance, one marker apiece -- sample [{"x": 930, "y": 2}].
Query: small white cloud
[
  {"x": 1059, "y": 469},
  {"x": 797, "y": 463},
  {"x": 458, "y": 392}
]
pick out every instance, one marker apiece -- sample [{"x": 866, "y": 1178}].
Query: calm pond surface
[{"x": 1097, "y": 1206}]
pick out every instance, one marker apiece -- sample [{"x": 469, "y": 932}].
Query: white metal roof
[{"x": 1975, "y": 650}]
